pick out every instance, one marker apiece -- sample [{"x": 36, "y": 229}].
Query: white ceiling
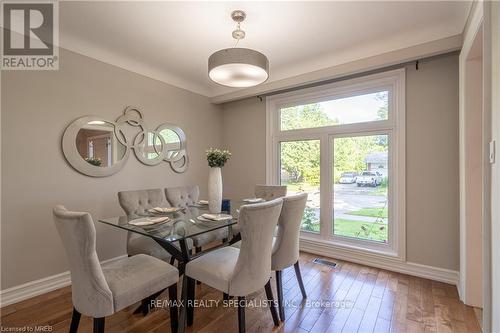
[{"x": 171, "y": 41}]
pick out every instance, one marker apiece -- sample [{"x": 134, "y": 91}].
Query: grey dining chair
[
  {"x": 136, "y": 203},
  {"x": 286, "y": 245},
  {"x": 266, "y": 192},
  {"x": 238, "y": 272},
  {"x": 99, "y": 292},
  {"x": 184, "y": 196},
  {"x": 270, "y": 192}
]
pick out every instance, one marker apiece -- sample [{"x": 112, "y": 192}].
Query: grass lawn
[
  {"x": 351, "y": 228},
  {"x": 372, "y": 212}
]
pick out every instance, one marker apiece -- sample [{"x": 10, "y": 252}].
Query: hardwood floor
[{"x": 364, "y": 299}]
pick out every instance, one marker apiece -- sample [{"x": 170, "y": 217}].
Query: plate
[
  {"x": 253, "y": 200},
  {"x": 215, "y": 217},
  {"x": 145, "y": 221},
  {"x": 160, "y": 210}
]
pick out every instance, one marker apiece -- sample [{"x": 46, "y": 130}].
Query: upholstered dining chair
[
  {"x": 136, "y": 203},
  {"x": 270, "y": 192},
  {"x": 184, "y": 196},
  {"x": 266, "y": 192},
  {"x": 286, "y": 245},
  {"x": 99, "y": 292},
  {"x": 239, "y": 272}
]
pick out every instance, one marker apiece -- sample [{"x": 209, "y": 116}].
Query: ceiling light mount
[
  {"x": 238, "y": 16},
  {"x": 238, "y": 67}
]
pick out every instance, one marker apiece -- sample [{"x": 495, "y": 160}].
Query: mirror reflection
[
  {"x": 148, "y": 147},
  {"x": 97, "y": 144},
  {"x": 172, "y": 142}
]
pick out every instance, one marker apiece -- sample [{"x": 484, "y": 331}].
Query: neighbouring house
[{"x": 377, "y": 162}]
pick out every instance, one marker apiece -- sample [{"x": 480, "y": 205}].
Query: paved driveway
[{"x": 348, "y": 198}]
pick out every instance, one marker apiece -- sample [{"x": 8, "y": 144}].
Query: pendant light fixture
[{"x": 238, "y": 67}]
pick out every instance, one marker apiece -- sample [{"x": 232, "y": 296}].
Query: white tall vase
[{"x": 214, "y": 190}]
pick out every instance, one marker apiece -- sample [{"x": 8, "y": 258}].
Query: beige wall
[
  {"x": 244, "y": 134},
  {"x": 431, "y": 159},
  {"x": 36, "y": 108}
]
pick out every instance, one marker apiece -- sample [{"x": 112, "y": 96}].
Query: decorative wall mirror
[{"x": 97, "y": 147}]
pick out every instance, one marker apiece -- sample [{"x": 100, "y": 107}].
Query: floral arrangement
[
  {"x": 217, "y": 158},
  {"x": 94, "y": 161}
]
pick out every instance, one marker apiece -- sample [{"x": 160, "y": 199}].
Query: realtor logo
[{"x": 30, "y": 36}]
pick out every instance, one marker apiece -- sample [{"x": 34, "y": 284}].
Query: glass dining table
[{"x": 172, "y": 235}]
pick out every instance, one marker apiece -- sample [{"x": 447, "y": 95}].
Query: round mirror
[
  {"x": 175, "y": 141},
  {"x": 97, "y": 144},
  {"x": 90, "y": 145},
  {"x": 149, "y": 147}
]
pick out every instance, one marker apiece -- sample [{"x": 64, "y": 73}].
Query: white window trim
[{"x": 395, "y": 126}]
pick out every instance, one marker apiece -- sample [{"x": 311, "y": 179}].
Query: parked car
[
  {"x": 348, "y": 178},
  {"x": 369, "y": 178}
]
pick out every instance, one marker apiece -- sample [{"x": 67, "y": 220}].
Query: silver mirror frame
[
  {"x": 182, "y": 141},
  {"x": 178, "y": 160},
  {"x": 73, "y": 157}
]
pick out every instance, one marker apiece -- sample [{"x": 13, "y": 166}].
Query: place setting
[
  {"x": 209, "y": 217},
  {"x": 165, "y": 210},
  {"x": 150, "y": 221}
]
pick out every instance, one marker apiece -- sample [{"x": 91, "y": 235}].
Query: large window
[
  {"x": 343, "y": 144},
  {"x": 299, "y": 171}
]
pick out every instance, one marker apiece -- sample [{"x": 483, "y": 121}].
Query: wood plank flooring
[{"x": 348, "y": 298}]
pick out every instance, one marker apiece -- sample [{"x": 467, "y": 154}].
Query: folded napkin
[
  {"x": 149, "y": 220},
  {"x": 217, "y": 217},
  {"x": 164, "y": 210},
  {"x": 253, "y": 200},
  {"x": 203, "y": 202}
]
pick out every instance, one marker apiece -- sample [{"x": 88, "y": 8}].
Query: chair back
[
  {"x": 270, "y": 192},
  {"x": 183, "y": 196},
  {"x": 253, "y": 268},
  {"x": 90, "y": 291},
  {"x": 139, "y": 201},
  {"x": 286, "y": 247}
]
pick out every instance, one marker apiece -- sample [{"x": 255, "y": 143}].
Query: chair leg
[
  {"x": 190, "y": 307},
  {"x": 241, "y": 314},
  {"x": 198, "y": 249},
  {"x": 272, "y": 305},
  {"x": 172, "y": 296},
  {"x": 279, "y": 288},
  {"x": 299, "y": 279},
  {"x": 172, "y": 260},
  {"x": 145, "y": 306},
  {"x": 75, "y": 320},
  {"x": 99, "y": 325}
]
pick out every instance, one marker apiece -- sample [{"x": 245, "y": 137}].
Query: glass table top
[{"x": 181, "y": 225}]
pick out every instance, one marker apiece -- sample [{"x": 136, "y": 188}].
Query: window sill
[{"x": 335, "y": 248}]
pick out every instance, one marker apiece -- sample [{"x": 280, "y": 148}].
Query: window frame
[{"x": 392, "y": 81}]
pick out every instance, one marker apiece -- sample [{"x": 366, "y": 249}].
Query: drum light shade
[{"x": 238, "y": 67}]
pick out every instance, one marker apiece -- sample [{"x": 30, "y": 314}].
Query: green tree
[{"x": 300, "y": 159}]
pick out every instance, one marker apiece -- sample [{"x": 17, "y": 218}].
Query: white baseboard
[
  {"x": 378, "y": 261},
  {"x": 34, "y": 288}
]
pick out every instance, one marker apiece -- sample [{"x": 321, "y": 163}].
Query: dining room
[{"x": 231, "y": 167}]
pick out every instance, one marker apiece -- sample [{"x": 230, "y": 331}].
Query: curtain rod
[{"x": 356, "y": 75}]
